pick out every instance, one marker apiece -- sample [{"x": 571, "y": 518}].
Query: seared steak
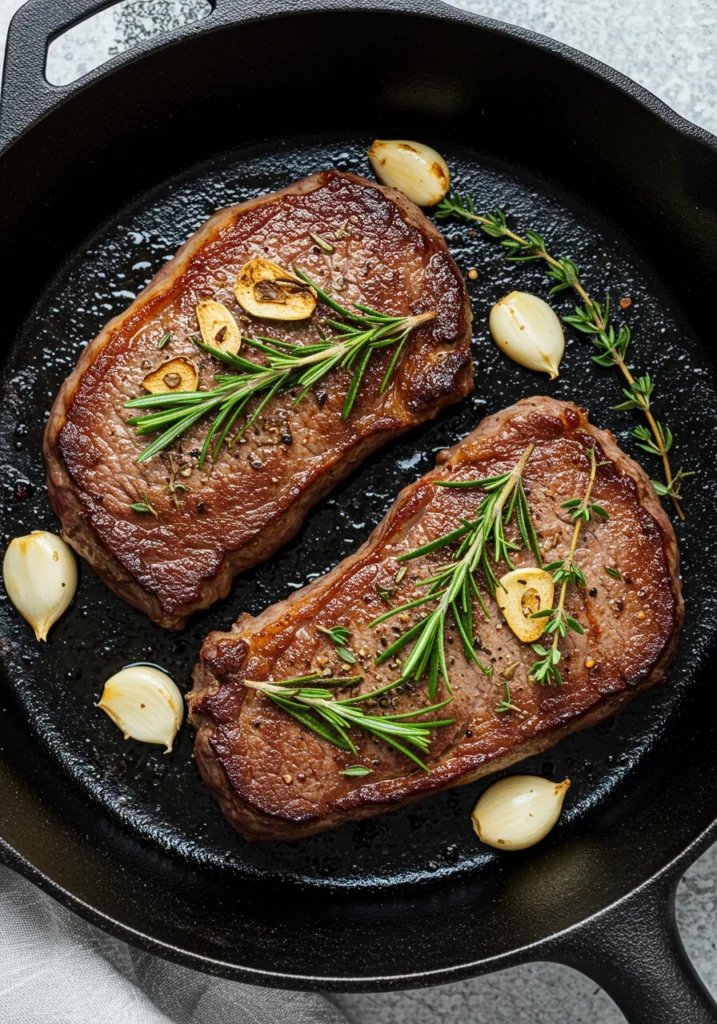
[
  {"x": 386, "y": 255},
  {"x": 275, "y": 779}
]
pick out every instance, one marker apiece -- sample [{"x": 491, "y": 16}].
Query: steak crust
[
  {"x": 275, "y": 779},
  {"x": 388, "y": 256}
]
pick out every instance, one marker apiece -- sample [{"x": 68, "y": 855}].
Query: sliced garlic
[
  {"x": 414, "y": 169},
  {"x": 520, "y": 594},
  {"x": 174, "y": 375},
  {"x": 145, "y": 703},
  {"x": 267, "y": 290},
  {"x": 529, "y": 332},
  {"x": 218, "y": 326},
  {"x": 40, "y": 577},
  {"x": 518, "y": 811}
]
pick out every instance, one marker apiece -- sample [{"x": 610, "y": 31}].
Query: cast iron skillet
[{"x": 225, "y": 109}]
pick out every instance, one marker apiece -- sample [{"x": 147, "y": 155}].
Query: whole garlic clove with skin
[
  {"x": 414, "y": 169},
  {"x": 529, "y": 332},
  {"x": 519, "y": 811},
  {"x": 145, "y": 703},
  {"x": 40, "y": 575}
]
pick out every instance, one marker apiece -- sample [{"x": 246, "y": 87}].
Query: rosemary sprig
[
  {"x": 591, "y": 318},
  {"x": 453, "y": 586},
  {"x": 566, "y": 572},
  {"x": 318, "y": 710},
  {"x": 359, "y": 334}
]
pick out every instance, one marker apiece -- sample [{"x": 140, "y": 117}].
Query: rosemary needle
[{"x": 360, "y": 333}]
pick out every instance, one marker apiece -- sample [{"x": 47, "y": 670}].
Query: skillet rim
[
  {"x": 230, "y": 12},
  {"x": 248, "y": 11}
]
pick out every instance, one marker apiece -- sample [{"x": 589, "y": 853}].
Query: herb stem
[
  {"x": 566, "y": 273},
  {"x": 579, "y": 520}
]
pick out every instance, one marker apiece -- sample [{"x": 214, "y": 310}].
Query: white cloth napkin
[{"x": 57, "y": 969}]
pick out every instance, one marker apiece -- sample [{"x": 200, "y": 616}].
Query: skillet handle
[
  {"x": 634, "y": 952},
  {"x": 26, "y": 93}
]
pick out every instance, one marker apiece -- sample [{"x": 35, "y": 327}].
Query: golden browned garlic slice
[
  {"x": 529, "y": 332},
  {"x": 218, "y": 326},
  {"x": 414, "y": 169},
  {"x": 40, "y": 576},
  {"x": 145, "y": 703},
  {"x": 175, "y": 375},
  {"x": 520, "y": 594},
  {"x": 267, "y": 290},
  {"x": 518, "y": 812}
]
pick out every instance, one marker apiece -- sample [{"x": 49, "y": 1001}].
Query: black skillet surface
[{"x": 643, "y": 784}]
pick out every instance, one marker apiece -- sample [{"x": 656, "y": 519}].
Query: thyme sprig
[
  {"x": 591, "y": 318},
  {"x": 318, "y": 710},
  {"x": 359, "y": 333},
  {"x": 506, "y": 704},
  {"x": 340, "y": 636},
  {"x": 453, "y": 585},
  {"x": 566, "y": 572},
  {"x": 143, "y": 506}
]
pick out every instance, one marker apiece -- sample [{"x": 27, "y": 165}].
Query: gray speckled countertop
[{"x": 669, "y": 46}]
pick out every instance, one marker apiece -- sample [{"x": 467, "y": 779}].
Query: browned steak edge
[
  {"x": 64, "y": 495},
  {"x": 255, "y": 825}
]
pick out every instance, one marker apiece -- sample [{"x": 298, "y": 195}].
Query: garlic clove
[
  {"x": 414, "y": 169},
  {"x": 218, "y": 327},
  {"x": 529, "y": 332},
  {"x": 173, "y": 375},
  {"x": 519, "y": 811},
  {"x": 520, "y": 594},
  {"x": 267, "y": 290},
  {"x": 145, "y": 703},
  {"x": 40, "y": 575}
]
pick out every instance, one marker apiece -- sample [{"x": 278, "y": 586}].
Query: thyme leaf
[
  {"x": 143, "y": 506},
  {"x": 340, "y": 636}
]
